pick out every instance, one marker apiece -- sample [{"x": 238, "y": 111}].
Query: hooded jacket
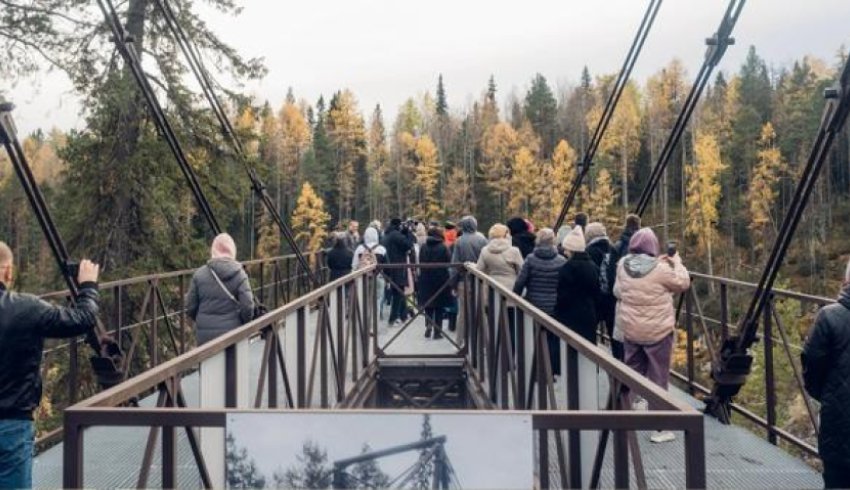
[
  {"x": 578, "y": 289},
  {"x": 539, "y": 278},
  {"x": 521, "y": 238},
  {"x": 212, "y": 309},
  {"x": 645, "y": 286},
  {"x": 502, "y": 261},
  {"x": 826, "y": 375},
  {"x": 432, "y": 280},
  {"x": 371, "y": 241},
  {"x": 468, "y": 246},
  {"x": 339, "y": 260},
  {"x": 25, "y": 321}
]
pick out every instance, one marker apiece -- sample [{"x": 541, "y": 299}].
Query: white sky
[
  {"x": 388, "y": 50},
  {"x": 487, "y": 450}
]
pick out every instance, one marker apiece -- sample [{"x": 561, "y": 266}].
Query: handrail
[
  {"x": 600, "y": 357},
  {"x": 191, "y": 359},
  {"x": 166, "y": 275},
  {"x": 785, "y": 293}
]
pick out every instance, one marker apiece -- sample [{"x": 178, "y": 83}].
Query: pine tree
[
  {"x": 368, "y": 475},
  {"x": 378, "y": 165},
  {"x": 242, "y": 471},
  {"x": 541, "y": 109},
  {"x": 442, "y": 103},
  {"x": 762, "y": 191},
  {"x": 311, "y": 472},
  {"x": 704, "y": 194},
  {"x": 310, "y": 220}
]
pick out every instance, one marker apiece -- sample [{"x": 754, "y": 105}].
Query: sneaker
[
  {"x": 660, "y": 436},
  {"x": 640, "y": 404}
]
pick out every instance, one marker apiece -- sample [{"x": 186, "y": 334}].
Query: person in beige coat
[
  {"x": 499, "y": 259},
  {"x": 646, "y": 316}
]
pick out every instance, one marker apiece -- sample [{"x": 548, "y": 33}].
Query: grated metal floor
[{"x": 736, "y": 458}]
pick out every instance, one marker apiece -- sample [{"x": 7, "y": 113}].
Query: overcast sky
[{"x": 388, "y": 50}]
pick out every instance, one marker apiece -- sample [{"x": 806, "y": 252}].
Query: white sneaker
[
  {"x": 640, "y": 404},
  {"x": 662, "y": 436}
]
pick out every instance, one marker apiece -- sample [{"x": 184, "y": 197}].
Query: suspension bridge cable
[
  {"x": 204, "y": 79},
  {"x": 735, "y": 360},
  {"x": 125, "y": 46},
  {"x": 610, "y": 106},
  {"x": 717, "y": 45}
]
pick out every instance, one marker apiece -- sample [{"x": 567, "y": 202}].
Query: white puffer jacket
[{"x": 644, "y": 288}]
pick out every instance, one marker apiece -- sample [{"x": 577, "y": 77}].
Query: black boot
[
  {"x": 428, "y": 333},
  {"x": 438, "y": 334}
]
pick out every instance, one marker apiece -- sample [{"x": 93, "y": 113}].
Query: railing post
[
  {"x": 572, "y": 371},
  {"x": 621, "y": 448},
  {"x": 230, "y": 377},
  {"x": 769, "y": 380},
  {"x": 724, "y": 311},
  {"x": 695, "y": 475},
  {"x": 72, "y": 453},
  {"x": 262, "y": 282},
  {"x": 689, "y": 325},
  {"x": 182, "y": 288},
  {"x": 154, "y": 336},
  {"x": 301, "y": 357},
  {"x": 272, "y": 369}
]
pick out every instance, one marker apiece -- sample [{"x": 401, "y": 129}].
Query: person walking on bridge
[
  {"x": 467, "y": 248},
  {"x": 339, "y": 257},
  {"x": 25, "y": 321},
  {"x": 539, "y": 280},
  {"x": 645, "y": 312},
  {"x": 220, "y": 297},
  {"x": 398, "y": 243},
  {"x": 826, "y": 375},
  {"x": 521, "y": 237},
  {"x": 605, "y": 257},
  {"x": 578, "y": 287},
  {"x": 433, "y": 291}
]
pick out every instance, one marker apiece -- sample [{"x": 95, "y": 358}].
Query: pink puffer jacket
[{"x": 644, "y": 288}]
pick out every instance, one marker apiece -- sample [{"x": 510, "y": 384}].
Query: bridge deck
[{"x": 736, "y": 458}]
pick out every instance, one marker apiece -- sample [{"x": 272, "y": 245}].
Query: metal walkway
[{"x": 736, "y": 458}]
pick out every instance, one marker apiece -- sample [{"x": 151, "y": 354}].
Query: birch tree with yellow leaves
[
  {"x": 703, "y": 194},
  {"x": 762, "y": 191}
]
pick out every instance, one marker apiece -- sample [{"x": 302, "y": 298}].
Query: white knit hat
[{"x": 574, "y": 241}]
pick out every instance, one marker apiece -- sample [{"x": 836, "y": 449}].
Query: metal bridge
[
  {"x": 150, "y": 410},
  {"x": 327, "y": 351}
]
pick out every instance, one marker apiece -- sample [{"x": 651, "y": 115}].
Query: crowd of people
[{"x": 620, "y": 290}]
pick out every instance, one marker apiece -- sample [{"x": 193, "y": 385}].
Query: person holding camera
[
  {"x": 25, "y": 321},
  {"x": 646, "y": 316},
  {"x": 220, "y": 297}
]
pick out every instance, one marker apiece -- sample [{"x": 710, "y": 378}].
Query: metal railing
[
  {"x": 147, "y": 316},
  {"x": 316, "y": 353},
  {"x": 709, "y": 312},
  {"x": 506, "y": 344}
]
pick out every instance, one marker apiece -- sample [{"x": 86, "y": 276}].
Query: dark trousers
[
  {"x": 397, "y": 306},
  {"x": 606, "y": 308},
  {"x": 836, "y": 475},
  {"x": 436, "y": 316},
  {"x": 554, "y": 343},
  {"x": 16, "y": 447}
]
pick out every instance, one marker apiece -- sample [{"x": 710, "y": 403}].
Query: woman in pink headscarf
[{"x": 220, "y": 298}]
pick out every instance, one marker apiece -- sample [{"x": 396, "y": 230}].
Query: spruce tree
[
  {"x": 442, "y": 103},
  {"x": 541, "y": 109}
]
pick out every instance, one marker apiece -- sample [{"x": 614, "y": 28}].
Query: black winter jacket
[
  {"x": 25, "y": 321},
  {"x": 539, "y": 278},
  {"x": 578, "y": 289},
  {"x": 521, "y": 238},
  {"x": 339, "y": 261},
  {"x": 431, "y": 280},
  {"x": 606, "y": 303},
  {"x": 398, "y": 247},
  {"x": 826, "y": 374},
  {"x": 213, "y": 311}
]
